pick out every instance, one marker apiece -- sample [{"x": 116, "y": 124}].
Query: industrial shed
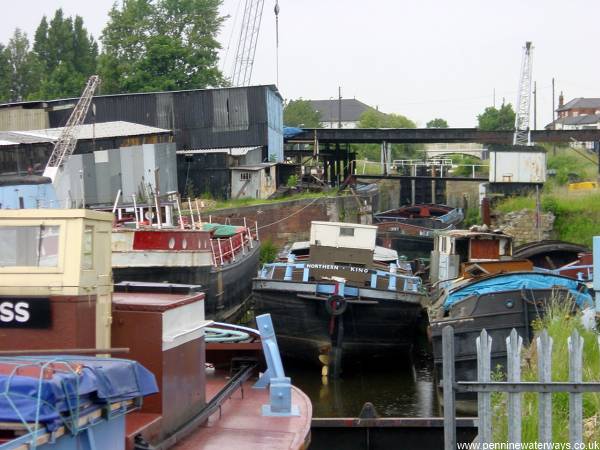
[
  {"x": 199, "y": 118},
  {"x": 109, "y": 157}
]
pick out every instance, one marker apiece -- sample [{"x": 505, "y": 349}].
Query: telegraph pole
[
  {"x": 339, "y": 107},
  {"x": 535, "y": 105}
]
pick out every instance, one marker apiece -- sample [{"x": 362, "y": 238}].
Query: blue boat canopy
[
  {"x": 519, "y": 281},
  {"x": 49, "y": 390}
]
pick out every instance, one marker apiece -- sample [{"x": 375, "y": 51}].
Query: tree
[
  {"x": 376, "y": 119},
  {"x": 5, "y": 75},
  {"x": 300, "y": 113},
  {"x": 437, "y": 123},
  {"x": 161, "y": 45},
  {"x": 493, "y": 119},
  {"x": 67, "y": 54},
  {"x": 23, "y": 67}
]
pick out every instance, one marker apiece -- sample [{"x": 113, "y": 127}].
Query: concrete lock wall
[{"x": 522, "y": 225}]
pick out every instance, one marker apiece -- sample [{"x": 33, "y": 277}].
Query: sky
[{"x": 425, "y": 59}]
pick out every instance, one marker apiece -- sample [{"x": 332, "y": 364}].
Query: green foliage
[
  {"x": 567, "y": 165},
  {"x": 292, "y": 181},
  {"x": 5, "y": 75},
  {"x": 472, "y": 217},
  {"x": 161, "y": 45},
  {"x": 300, "y": 113},
  {"x": 23, "y": 67},
  {"x": 493, "y": 119},
  {"x": 463, "y": 162},
  {"x": 516, "y": 203},
  {"x": 375, "y": 119},
  {"x": 560, "y": 321},
  {"x": 437, "y": 123},
  {"x": 268, "y": 251},
  {"x": 67, "y": 56}
]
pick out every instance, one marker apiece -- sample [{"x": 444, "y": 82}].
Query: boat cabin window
[
  {"x": 87, "y": 261},
  {"x": 346, "y": 231},
  {"x": 245, "y": 176},
  {"x": 29, "y": 246}
]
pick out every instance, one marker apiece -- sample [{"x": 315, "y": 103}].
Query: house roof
[
  {"x": 581, "y": 102},
  {"x": 577, "y": 120},
  {"x": 352, "y": 109},
  {"x": 85, "y": 132}
]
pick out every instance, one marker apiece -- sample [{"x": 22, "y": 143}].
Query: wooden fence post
[
  {"x": 514, "y": 344},
  {"x": 544, "y": 354},
  {"x": 484, "y": 406},
  {"x": 575, "y": 343},
  {"x": 448, "y": 387}
]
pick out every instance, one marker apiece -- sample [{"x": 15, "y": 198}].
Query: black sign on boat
[{"x": 25, "y": 312}]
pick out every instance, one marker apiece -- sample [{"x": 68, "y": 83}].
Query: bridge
[{"x": 434, "y": 135}]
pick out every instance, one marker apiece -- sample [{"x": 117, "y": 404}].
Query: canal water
[{"x": 405, "y": 389}]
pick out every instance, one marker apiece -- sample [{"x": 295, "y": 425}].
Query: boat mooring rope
[{"x": 221, "y": 335}]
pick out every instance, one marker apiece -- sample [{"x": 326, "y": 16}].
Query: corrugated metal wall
[
  {"x": 210, "y": 118},
  {"x": 204, "y": 174},
  {"x": 128, "y": 169},
  {"x": 17, "y": 119}
]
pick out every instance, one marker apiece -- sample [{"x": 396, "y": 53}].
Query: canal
[{"x": 396, "y": 389}]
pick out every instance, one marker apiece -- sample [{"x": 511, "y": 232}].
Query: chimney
[{"x": 561, "y": 100}]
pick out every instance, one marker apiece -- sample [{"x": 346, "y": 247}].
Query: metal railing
[
  {"x": 442, "y": 167},
  {"x": 484, "y": 387},
  {"x": 394, "y": 280}
]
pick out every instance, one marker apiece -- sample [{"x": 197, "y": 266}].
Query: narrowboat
[
  {"x": 410, "y": 229},
  {"x": 338, "y": 304},
  {"x": 61, "y": 315}
]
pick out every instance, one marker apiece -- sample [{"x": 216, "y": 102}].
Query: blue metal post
[
  {"x": 374, "y": 279},
  {"x": 289, "y": 269},
  {"x": 280, "y": 389},
  {"x": 596, "y": 273},
  {"x": 392, "y": 283}
]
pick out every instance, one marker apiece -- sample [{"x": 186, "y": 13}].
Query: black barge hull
[
  {"x": 369, "y": 327},
  {"x": 498, "y": 313},
  {"x": 228, "y": 288}
]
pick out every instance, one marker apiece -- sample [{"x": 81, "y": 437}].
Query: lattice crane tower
[
  {"x": 246, "y": 48},
  {"x": 522, "y": 133},
  {"x": 67, "y": 140}
]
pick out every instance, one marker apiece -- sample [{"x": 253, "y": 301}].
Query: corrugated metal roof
[
  {"x": 253, "y": 167},
  {"x": 48, "y": 103},
  {"x": 85, "y": 132},
  {"x": 234, "y": 151}
]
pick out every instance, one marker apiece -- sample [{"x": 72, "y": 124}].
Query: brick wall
[{"x": 289, "y": 221}]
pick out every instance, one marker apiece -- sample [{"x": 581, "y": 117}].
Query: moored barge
[
  {"x": 222, "y": 258},
  {"x": 340, "y": 304},
  {"x": 57, "y": 304}
]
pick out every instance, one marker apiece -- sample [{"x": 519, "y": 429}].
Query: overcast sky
[{"x": 422, "y": 59}]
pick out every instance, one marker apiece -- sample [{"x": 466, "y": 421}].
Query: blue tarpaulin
[
  {"x": 76, "y": 383},
  {"x": 519, "y": 281},
  {"x": 290, "y": 132}
]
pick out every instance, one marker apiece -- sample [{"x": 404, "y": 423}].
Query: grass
[
  {"x": 577, "y": 212},
  {"x": 560, "y": 323},
  {"x": 238, "y": 203},
  {"x": 268, "y": 251}
]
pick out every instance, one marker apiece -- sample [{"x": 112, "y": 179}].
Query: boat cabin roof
[{"x": 340, "y": 234}]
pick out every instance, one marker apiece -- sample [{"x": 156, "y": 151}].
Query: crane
[
  {"x": 67, "y": 140},
  {"x": 246, "y": 47},
  {"x": 522, "y": 134}
]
